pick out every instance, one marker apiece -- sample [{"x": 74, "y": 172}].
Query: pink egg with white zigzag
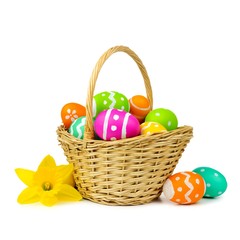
[{"x": 115, "y": 124}]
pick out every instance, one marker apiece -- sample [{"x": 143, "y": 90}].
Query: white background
[{"x": 191, "y": 50}]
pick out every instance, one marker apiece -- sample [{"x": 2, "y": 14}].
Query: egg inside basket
[{"x": 127, "y": 171}]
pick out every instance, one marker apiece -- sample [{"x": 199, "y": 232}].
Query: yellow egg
[{"x": 148, "y": 128}]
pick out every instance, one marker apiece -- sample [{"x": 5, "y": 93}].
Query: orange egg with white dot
[
  {"x": 139, "y": 107},
  {"x": 148, "y": 128},
  {"x": 70, "y": 112},
  {"x": 184, "y": 187}
]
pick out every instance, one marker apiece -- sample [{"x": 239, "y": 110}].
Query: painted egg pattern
[
  {"x": 148, "y": 128},
  {"x": 77, "y": 127},
  {"x": 114, "y": 124},
  {"x": 216, "y": 183},
  {"x": 139, "y": 107},
  {"x": 163, "y": 116},
  {"x": 70, "y": 112},
  {"x": 184, "y": 187},
  {"x": 109, "y": 100}
]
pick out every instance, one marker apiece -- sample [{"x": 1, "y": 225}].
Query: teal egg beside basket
[{"x": 216, "y": 183}]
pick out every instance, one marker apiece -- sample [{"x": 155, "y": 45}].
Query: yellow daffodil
[{"x": 49, "y": 184}]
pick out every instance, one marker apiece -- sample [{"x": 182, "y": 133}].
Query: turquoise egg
[
  {"x": 77, "y": 127},
  {"x": 165, "y": 117},
  {"x": 109, "y": 100},
  {"x": 216, "y": 183}
]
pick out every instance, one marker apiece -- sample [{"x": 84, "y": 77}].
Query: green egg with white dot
[
  {"x": 164, "y": 116},
  {"x": 216, "y": 183},
  {"x": 77, "y": 127},
  {"x": 109, "y": 100}
]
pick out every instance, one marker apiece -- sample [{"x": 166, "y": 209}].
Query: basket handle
[{"x": 89, "y": 130}]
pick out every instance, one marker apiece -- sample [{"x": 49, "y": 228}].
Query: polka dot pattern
[
  {"x": 114, "y": 124},
  {"x": 109, "y": 100},
  {"x": 163, "y": 116},
  {"x": 184, "y": 188},
  {"x": 151, "y": 127},
  {"x": 113, "y": 128},
  {"x": 216, "y": 183},
  {"x": 115, "y": 117}
]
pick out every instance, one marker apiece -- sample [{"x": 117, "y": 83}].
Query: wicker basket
[{"x": 129, "y": 171}]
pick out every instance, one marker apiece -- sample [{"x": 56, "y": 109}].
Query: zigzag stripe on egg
[
  {"x": 77, "y": 127},
  {"x": 184, "y": 187},
  {"x": 189, "y": 185},
  {"x": 146, "y": 126},
  {"x": 109, "y": 100},
  {"x": 112, "y": 99}
]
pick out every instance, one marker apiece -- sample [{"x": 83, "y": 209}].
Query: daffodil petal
[
  {"x": 28, "y": 195},
  {"x": 49, "y": 198},
  {"x": 45, "y": 174},
  {"x": 47, "y": 162},
  {"x": 68, "y": 193},
  {"x": 63, "y": 170},
  {"x": 70, "y": 180},
  {"x": 64, "y": 174},
  {"x": 26, "y": 176}
]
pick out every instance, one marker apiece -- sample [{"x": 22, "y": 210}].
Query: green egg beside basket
[{"x": 129, "y": 171}]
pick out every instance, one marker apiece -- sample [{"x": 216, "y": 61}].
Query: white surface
[{"x": 47, "y": 52}]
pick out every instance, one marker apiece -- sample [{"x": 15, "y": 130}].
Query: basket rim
[{"x": 161, "y": 135}]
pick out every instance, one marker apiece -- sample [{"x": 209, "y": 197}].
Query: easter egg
[
  {"x": 163, "y": 116},
  {"x": 77, "y": 127},
  {"x": 216, "y": 183},
  {"x": 148, "y": 128},
  {"x": 70, "y": 112},
  {"x": 139, "y": 107},
  {"x": 114, "y": 124},
  {"x": 109, "y": 100},
  {"x": 184, "y": 187}
]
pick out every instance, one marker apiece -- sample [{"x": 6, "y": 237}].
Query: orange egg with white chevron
[{"x": 184, "y": 187}]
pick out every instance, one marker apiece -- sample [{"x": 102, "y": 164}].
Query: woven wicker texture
[{"x": 129, "y": 171}]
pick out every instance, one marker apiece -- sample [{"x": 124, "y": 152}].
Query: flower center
[{"x": 47, "y": 186}]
